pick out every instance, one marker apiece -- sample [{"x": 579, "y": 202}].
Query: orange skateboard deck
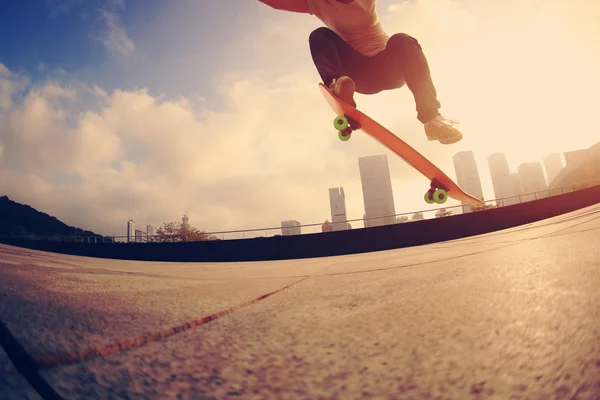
[{"x": 350, "y": 119}]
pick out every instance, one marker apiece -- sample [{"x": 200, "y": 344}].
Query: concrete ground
[{"x": 508, "y": 315}]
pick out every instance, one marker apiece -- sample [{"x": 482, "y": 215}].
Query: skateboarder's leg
[
  {"x": 327, "y": 48},
  {"x": 335, "y": 59},
  {"x": 407, "y": 61}
]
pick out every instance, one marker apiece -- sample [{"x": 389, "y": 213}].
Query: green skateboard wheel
[
  {"x": 428, "y": 198},
  {"x": 340, "y": 122},
  {"x": 344, "y": 137},
  {"x": 440, "y": 196}
]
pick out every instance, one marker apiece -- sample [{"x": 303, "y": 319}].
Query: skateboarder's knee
[
  {"x": 402, "y": 42},
  {"x": 320, "y": 35}
]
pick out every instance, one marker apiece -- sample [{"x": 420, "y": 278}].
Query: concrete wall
[{"x": 332, "y": 243}]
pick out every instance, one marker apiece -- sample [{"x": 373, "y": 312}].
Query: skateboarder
[{"x": 353, "y": 53}]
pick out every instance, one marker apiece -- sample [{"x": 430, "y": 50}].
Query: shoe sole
[{"x": 454, "y": 139}]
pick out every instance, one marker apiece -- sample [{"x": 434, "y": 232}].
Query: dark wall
[{"x": 331, "y": 243}]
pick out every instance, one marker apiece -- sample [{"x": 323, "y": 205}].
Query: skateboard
[{"x": 349, "y": 119}]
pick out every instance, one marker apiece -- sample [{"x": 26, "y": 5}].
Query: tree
[
  {"x": 177, "y": 232},
  {"x": 483, "y": 207},
  {"x": 443, "y": 213}
]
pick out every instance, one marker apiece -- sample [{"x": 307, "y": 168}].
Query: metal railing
[{"x": 409, "y": 217}]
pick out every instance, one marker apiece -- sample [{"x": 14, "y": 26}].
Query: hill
[{"x": 22, "y": 220}]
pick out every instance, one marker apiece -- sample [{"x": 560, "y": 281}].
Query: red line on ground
[{"x": 51, "y": 361}]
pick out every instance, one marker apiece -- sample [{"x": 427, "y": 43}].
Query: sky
[{"x": 120, "y": 109}]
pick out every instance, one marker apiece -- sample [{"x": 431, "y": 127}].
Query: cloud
[
  {"x": 58, "y": 7},
  {"x": 115, "y": 38},
  {"x": 96, "y": 158},
  {"x": 10, "y": 84}
]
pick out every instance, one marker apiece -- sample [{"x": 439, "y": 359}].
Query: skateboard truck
[
  {"x": 345, "y": 126},
  {"x": 437, "y": 193}
]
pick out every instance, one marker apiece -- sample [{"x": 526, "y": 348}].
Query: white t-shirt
[{"x": 357, "y": 23}]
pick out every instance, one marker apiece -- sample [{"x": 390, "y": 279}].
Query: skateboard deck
[{"x": 349, "y": 119}]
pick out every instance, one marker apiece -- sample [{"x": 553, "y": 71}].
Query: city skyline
[{"x": 529, "y": 177}]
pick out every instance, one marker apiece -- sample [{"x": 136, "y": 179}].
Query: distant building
[
  {"x": 553, "y": 164},
  {"x": 130, "y": 231},
  {"x": 501, "y": 179},
  {"x": 532, "y": 180},
  {"x": 326, "y": 227},
  {"x": 516, "y": 185},
  {"x": 576, "y": 157},
  {"x": 377, "y": 191},
  {"x": 139, "y": 236},
  {"x": 467, "y": 176},
  {"x": 289, "y": 228},
  {"x": 185, "y": 222},
  {"x": 337, "y": 204},
  {"x": 582, "y": 170}
]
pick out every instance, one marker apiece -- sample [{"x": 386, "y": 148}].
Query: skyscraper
[
  {"x": 517, "y": 186},
  {"x": 553, "y": 165},
  {"x": 467, "y": 175},
  {"x": 337, "y": 203},
  {"x": 576, "y": 157},
  {"x": 185, "y": 222},
  {"x": 532, "y": 179},
  {"x": 377, "y": 190},
  {"x": 501, "y": 179},
  {"x": 289, "y": 228},
  {"x": 130, "y": 231}
]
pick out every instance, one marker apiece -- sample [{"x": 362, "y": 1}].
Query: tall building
[
  {"x": 185, "y": 221},
  {"x": 149, "y": 230},
  {"x": 576, "y": 157},
  {"x": 326, "y": 227},
  {"x": 139, "y": 236},
  {"x": 289, "y": 228},
  {"x": 467, "y": 175},
  {"x": 582, "y": 170},
  {"x": 553, "y": 165},
  {"x": 337, "y": 203},
  {"x": 130, "y": 231},
  {"x": 377, "y": 191},
  {"x": 517, "y": 186},
  {"x": 532, "y": 179},
  {"x": 501, "y": 179}
]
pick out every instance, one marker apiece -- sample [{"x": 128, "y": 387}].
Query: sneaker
[
  {"x": 344, "y": 89},
  {"x": 441, "y": 128}
]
